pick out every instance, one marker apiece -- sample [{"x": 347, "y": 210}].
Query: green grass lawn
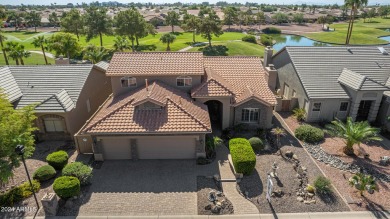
[
  {"x": 363, "y": 33},
  {"x": 34, "y": 59},
  {"x": 239, "y": 48}
]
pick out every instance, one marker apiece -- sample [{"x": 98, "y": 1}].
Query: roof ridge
[{"x": 59, "y": 100}]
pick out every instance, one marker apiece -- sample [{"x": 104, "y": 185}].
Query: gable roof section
[
  {"x": 319, "y": 68},
  {"x": 359, "y": 82},
  {"x": 214, "y": 86},
  {"x": 102, "y": 65},
  {"x": 8, "y": 85},
  {"x": 156, "y": 63},
  {"x": 180, "y": 113},
  {"x": 242, "y": 72},
  {"x": 53, "y": 88}
]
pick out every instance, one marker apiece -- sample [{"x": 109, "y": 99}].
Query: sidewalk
[{"x": 308, "y": 215}]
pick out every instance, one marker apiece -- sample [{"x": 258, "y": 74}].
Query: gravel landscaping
[{"x": 204, "y": 186}]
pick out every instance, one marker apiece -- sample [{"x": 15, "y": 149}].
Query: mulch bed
[
  {"x": 377, "y": 201},
  {"x": 204, "y": 186},
  {"x": 255, "y": 184}
]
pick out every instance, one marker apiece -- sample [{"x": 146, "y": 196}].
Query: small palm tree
[
  {"x": 363, "y": 183},
  {"x": 121, "y": 44},
  {"x": 299, "y": 114},
  {"x": 16, "y": 52},
  {"x": 23, "y": 54},
  {"x": 168, "y": 38},
  {"x": 278, "y": 132},
  {"x": 353, "y": 133},
  {"x": 95, "y": 54},
  {"x": 41, "y": 42}
]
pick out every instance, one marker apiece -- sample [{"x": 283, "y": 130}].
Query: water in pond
[
  {"x": 385, "y": 38},
  {"x": 283, "y": 40}
]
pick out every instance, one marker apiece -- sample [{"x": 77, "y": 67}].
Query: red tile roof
[{"x": 214, "y": 86}]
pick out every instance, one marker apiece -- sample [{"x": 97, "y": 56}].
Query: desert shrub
[
  {"x": 66, "y": 186},
  {"x": 272, "y": 30},
  {"x": 80, "y": 171},
  {"x": 217, "y": 141},
  {"x": 57, "y": 159},
  {"x": 18, "y": 193},
  {"x": 299, "y": 114},
  {"x": 322, "y": 185},
  {"x": 249, "y": 39},
  {"x": 266, "y": 40},
  {"x": 243, "y": 157},
  {"x": 310, "y": 188},
  {"x": 218, "y": 50},
  {"x": 309, "y": 134},
  {"x": 44, "y": 173},
  {"x": 256, "y": 143}
]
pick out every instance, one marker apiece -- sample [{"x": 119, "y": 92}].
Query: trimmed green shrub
[
  {"x": 272, "y": 30},
  {"x": 18, "y": 193},
  {"x": 243, "y": 157},
  {"x": 218, "y": 50},
  {"x": 44, "y": 173},
  {"x": 266, "y": 40},
  {"x": 309, "y": 134},
  {"x": 57, "y": 159},
  {"x": 322, "y": 185},
  {"x": 249, "y": 39},
  {"x": 80, "y": 171},
  {"x": 299, "y": 114},
  {"x": 66, "y": 186},
  {"x": 256, "y": 143},
  {"x": 26, "y": 188}
]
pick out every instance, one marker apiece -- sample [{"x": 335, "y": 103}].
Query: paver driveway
[{"x": 143, "y": 187}]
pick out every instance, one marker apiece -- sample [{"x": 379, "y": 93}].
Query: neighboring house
[
  {"x": 164, "y": 103},
  {"x": 334, "y": 82},
  {"x": 65, "y": 95}
]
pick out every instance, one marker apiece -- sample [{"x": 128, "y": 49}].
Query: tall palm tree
[
  {"x": 354, "y": 5},
  {"x": 278, "y": 132},
  {"x": 40, "y": 41},
  {"x": 353, "y": 133},
  {"x": 10, "y": 47},
  {"x": 2, "y": 39},
  {"x": 168, "y": 38},
  {"x": 23, "y": 53},
  {"x": 121, "y": 43}
]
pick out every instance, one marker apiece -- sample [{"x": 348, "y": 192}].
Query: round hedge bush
[
  {"x": 256, "y": 143},
  {"x": 57, "y": 159},
  {"x": 44, "y": 173},
  {"x": 78, "y": 170},
  {"x": 309, "y": 134},
  {"x": 66, "y": 186}
]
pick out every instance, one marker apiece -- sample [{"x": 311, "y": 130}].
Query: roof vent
[
  {"x": 383, "y": 51},
  {"x": 349, "y": 50}
]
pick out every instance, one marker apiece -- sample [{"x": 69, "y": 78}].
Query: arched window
[
  {"x": 184, "y": 81},
  {"x": 128, "y": 82}
]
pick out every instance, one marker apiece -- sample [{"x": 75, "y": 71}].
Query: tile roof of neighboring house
[
  {"x": 53, "y": 88},
  {"x": 242, "y": 72},
  {"x": 8, "y": 85},
  {"x": 359, "y": 82},
  {"x": 156, "y": 63},
  {"x": 102, "y": 65},
  {"x": 319, "y": 68},
  {"x": 213, "y": 86},
  {"x": 179, "y": 113}
]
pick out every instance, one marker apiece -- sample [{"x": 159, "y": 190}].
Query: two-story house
[{"x": 164, "y": 103}]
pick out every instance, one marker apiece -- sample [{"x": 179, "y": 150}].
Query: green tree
[
  {"x": 280, "y": 18},
  {"x": 16, "y": 18},
  {"x": 73, "y": 22},
  {"x": 95, "y": 54},
  {"x": 364, "y": 15},
  {"x": 3, "y": 15},
  {"x": 168, "y": 38},
  {"x": 354, "y": 5},
  {"x": 97, "y": 23},
  {"x": 322, "y": 20},
  {"x": 363, "y": 183},
  {"x": 353, "y": 133},
  {"x": 33, "y": 19},
  {"x": 371, "y": 14},
  {"x": 383, "y": 11},
  {"x": 172, "y": 19},
  {"x": 16, "y": 127},
  {"x": 121, "y": 44},
  {"x": 192, "y": 23},
  {"x": 210, "y": 26},
  {"x": 16, "y": 51},
  {"x": 64, "y": 44},
  {"x": 231, "y": 16},
  {"x": 41, "y": 42},
  {"x": 298, "y": 18},
  {"x": 260, "y": 18},
  {"x": 53, "y": 20}
]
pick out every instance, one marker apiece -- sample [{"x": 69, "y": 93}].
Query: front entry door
[{"x": 364, "y": 110}]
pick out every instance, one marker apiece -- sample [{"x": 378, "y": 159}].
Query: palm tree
[
  {"x": 95, "y": 54},
  {"x": 10, "y": 47},
  {"x": 353, "y": 133},
  {"x": 354, "y": 4},
  {"x": 278, "y": 132},
  {"x": 168, "y": 38},
  {"x": 121, "y": 44},
  {"x": 40, "y": 41},
  {"x": 2, "y": 39},
  {"x": 23, "y": 53},
  {"x": 363, "y": 183}
]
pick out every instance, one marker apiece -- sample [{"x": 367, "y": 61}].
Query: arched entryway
[{"x": 215, "y": 108}]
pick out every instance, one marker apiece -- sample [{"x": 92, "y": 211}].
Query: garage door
[
  {"x": 166, "y": 148},
  {"x": 116, "y": 149}
]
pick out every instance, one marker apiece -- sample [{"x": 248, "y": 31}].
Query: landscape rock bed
[{"x": 204, "y": 186}]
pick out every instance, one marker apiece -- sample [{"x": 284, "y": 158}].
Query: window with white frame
[
  {"x": 184, "y": 81},
  {"x": 128, "y": 82},
  {"x": 343, "y": 106},
  {"x": 54, "y": 124},
  {"x": 250, "y": 115},
  {"x": 316, "y": 107}
]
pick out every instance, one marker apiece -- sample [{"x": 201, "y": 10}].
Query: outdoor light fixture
[{"x": 19, "y": 149}]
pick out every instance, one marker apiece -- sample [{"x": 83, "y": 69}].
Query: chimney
[
  {"x": 62, "y": 61},
  {"x": 146, "y": 84},
  {"x": 271, "y": 76},
  {"x": 268, "y": 56}
]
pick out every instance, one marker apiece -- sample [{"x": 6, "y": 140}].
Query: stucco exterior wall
[
  {"x": 226, "y": 109},
  {"x": 41, "y": 132},
  {"x": 169, "y": 80},
  {"x": 357, "y": 96},
  {"x": 384, "y": 112},
  {"x": 329, "y": 110},
  {"x": 265, "y": 115}
]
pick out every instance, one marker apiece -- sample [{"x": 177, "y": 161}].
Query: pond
[
  {"x": 283, "y": 40},
  {"x": 385, "y": 38}
]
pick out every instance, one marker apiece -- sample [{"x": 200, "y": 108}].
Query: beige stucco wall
[
  {"x": 169, "y": 80},
  {"x": 226, "y": 109},
  {"x": 266, "y": 114},
  {"x": 41, "y": 132},
  {"x": 384, "y": 112},
  {"x": 329, "y": 110}
]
